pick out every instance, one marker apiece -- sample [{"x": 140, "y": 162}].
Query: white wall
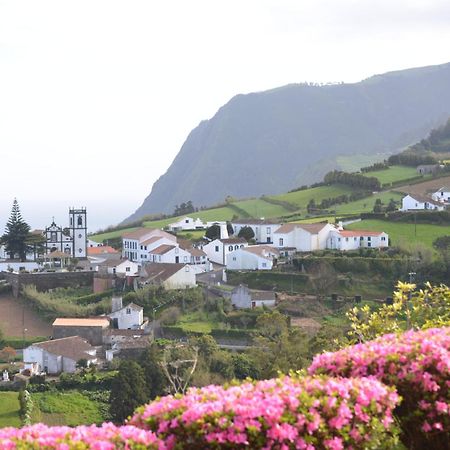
[
  {"x": 243, "y": 260},
  {"x": 131, "y": 320},
  {"x": 184, "y": 278}
]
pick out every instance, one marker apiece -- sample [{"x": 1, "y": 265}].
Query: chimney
[
  {"x": 116, "y": 303},
  {"x": 223, "y": 231}
]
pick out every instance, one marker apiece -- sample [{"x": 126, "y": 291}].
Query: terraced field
[
  {"x": 393, "y": 173},
  {"x": 258, "y": 208},
  {"x": 366, "y": 204}
]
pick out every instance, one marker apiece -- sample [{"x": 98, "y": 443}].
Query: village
[{"x": 159, "y": 258}]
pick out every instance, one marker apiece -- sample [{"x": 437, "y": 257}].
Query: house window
[
  {"x": 177, "y": 250},
  {"x": 217, "y": 248},
  {"x": 281, "y": 242},
  {"x": 186, "y": 269},
  {"x": 234, "y": 258},
  {"x": 114, "y": 270},
  {"x": 128, "y": 310},
  {"x": 346, "y": 239},
  {"x": 383, "y": 238},
  {"x": 339, "y": 239},
  {"x": 361, "y": 238},
  {"x": 127, "y": 269},
  {"x": 185, "y": 258},
  {"x": 242, "y": 246},
  {"x": 369, "y": 244},
  {"x": 354, "y": 239},
  {"x": 369, "y": 238},
  {"x": 268, "y": 230},
  {"x": 264, "y": 264},
  {"x": 142, "y": 247}
]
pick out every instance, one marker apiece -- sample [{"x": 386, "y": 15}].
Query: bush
[
  {"x": 417, "y": 365},
  {"x": 288, "y": 412},
  {"x": 108, "y": 436}
]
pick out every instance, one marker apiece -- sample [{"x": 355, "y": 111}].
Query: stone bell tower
[{"x": 78, "y": 232}]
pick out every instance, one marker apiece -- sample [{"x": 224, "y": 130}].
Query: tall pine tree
[{"x": 16, "y": 234}]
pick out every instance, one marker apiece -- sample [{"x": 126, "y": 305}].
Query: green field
[
  {"x": 9, "y": 409},
  {"x": 394, "y": 173},
  {"x": 65, "y": 408},
  {"x": 366, "y": 204},
  {"x": 197, "y": 322},
  {"x": 301, "y": 198},
  {"x": 258, "y": 208},
  {"x": 404, "y": 233}
]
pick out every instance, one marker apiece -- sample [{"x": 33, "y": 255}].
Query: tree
[
  {"x": 392, "y": 206},
  {"x": 378, "y": 207},
  {"x": 213, "y": 232},
  {"x": 8, "y": 353},
  {"x": 311, "y": 207},
  {"x": 150, "y": 362},
  {"x": 16, "y": 234},
  {"x": 128, "y": 390},
  {"x": 247, "y": 233}
]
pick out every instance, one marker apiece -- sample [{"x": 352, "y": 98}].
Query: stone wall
[
  {"x": 48, "y": 280},
  {"x": 94, "y": 335}
]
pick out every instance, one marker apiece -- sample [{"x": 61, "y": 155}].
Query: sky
[{"x": 98, "y": 96}]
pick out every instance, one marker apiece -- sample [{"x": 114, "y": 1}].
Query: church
[{"x": 71, "y": 240}]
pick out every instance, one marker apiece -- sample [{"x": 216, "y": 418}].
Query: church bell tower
[{"x": 78, "y": 232}]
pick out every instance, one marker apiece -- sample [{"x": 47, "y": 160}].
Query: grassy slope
[
  {"x": 301, "y": 198},
  {"x": 353, "y": 163},
  {"x": 65, "y": 408},
  {"x": 9, "y": 409},
  {"x": 259, "y": 208},
  {"x": 394, "y": 173},
  {"x": 366, "y": 204},
  {"x": 404, "y": 232}
]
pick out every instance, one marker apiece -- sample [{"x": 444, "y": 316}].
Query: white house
[
  {"x": 218, "y": 249},
  {"x": 133, "y": 242},
  {"x": 353, "y": 240},
  {"x": 243, "y": 297},
  {"x": 171, "y": 254},
  {"x": 442, "y": 195},
  {"x": 198, "y": 258},
  {"x": 262, "y": 228},
  {"x": 186, "y": 223},
  {"x": 120, "y": 267},
  {"x": 58, "y": 355},
  {"x": 304, "y": 237},
  {"x": 253, "y": 257},
  {"x": 129, "y": 317},
  {"x": 171, "y": 276},
  {"x": 414, "y": 202}
]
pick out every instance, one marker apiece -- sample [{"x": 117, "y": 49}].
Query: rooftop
[
  {"x": 256, "y": 222},
  {"x": 72, "y": 347},
  {"x": 79, "y": 322},
  {"x": 159, "y": 272},
  {"x": 162, "y": 249},
  {"x": 105, "y": 249},
  {"x": 358, "y": 233},
  {"x": 312, "y": 228},
  {"x": 138, "y": 233}
]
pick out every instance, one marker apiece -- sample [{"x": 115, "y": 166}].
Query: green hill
[{"x": 270, "y": 142}]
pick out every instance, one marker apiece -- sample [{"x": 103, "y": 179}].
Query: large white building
[
  {"x": 173, "y": 254},
  {"x": 304, "y": 237},
  {"x": 253, "y": 257},
  {"x": 171, "y": 276},
  {"x": 262, "y": 228},
  {"x": 218, "y": 249},
  {"x": 353, "y": 240},
  {"x": 58, "y": 355},
  {"x": 186, "y": 223},
  {"x": 415, "y": 202},
  {"x": 137, "y": 244}
]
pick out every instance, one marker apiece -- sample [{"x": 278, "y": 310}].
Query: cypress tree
[
  {"x": 16, "y": 234},
  {"x": 128, "y": 390}
]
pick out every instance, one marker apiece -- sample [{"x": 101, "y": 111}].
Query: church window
[
  {"x": 80, "y": 236},
  {"x": 80, "y": 250},
  {"x": 236, "y": 247},
  {"x": 80, "y": 221},
  {"x": 53, "y": 236},
  {"x": 230, "y": 248}
]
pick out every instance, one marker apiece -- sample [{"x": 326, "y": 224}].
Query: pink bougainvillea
[
  {"x": 288, "y": 412},
  {"x": 106, "y": 437},
  {"x": 417, "y": 364}
]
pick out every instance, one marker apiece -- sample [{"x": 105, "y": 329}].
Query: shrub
[
  {"x": 288, "y": 412},
  {"x": 417, "y": 364},
  {"x": 108, "y": 436}
]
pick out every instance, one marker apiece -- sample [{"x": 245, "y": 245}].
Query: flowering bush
[
  {"x": 106, "y": 437},
  {"x": 288, "y": 412},
  {"x": 417, "y": 364}
]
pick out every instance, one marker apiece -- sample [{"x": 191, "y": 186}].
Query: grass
[
  {"x": 301, "y": 198},
  {"x": 366, "y": 204},
  {"x": 9, "y": 409},
  {"x": 394, "y": 173},
  {"x": 193, "y": 235},
  {"x": 197, "y": 322},
  {"x": 110, "y": 235},
  {"x": 259, "y": 208},
  {"x": 404, "y": 233},
  {"x": 353, "y": 163},
  {"x": 65, "y": 408}
]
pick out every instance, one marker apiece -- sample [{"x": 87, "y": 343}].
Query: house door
[{"x": 177, "y": 259}]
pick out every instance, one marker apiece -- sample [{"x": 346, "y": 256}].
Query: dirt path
[{"x": 14, "y": 317}]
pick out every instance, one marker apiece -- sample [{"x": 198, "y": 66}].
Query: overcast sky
[{"x": 97, "y": 97}]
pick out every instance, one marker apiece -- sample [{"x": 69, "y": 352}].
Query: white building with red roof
[
  {"x": 355, "y": 239},
  {"x": 253, "y": 257}
]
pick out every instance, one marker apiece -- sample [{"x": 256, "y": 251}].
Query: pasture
[
  {"x": 404, "y": 234},
  {"x": 393, "y": 173},
  {"x": 9, "y": 409}
]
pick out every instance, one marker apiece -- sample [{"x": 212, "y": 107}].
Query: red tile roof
[
  {"x": 138, "y": 233},
  {"x": 162, "y": 249},
  {"x": 357, "y": 233},
  {"x": 101, "y": 250}
]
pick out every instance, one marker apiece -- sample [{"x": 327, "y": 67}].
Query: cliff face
[{"x": 273, "y": 141}]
